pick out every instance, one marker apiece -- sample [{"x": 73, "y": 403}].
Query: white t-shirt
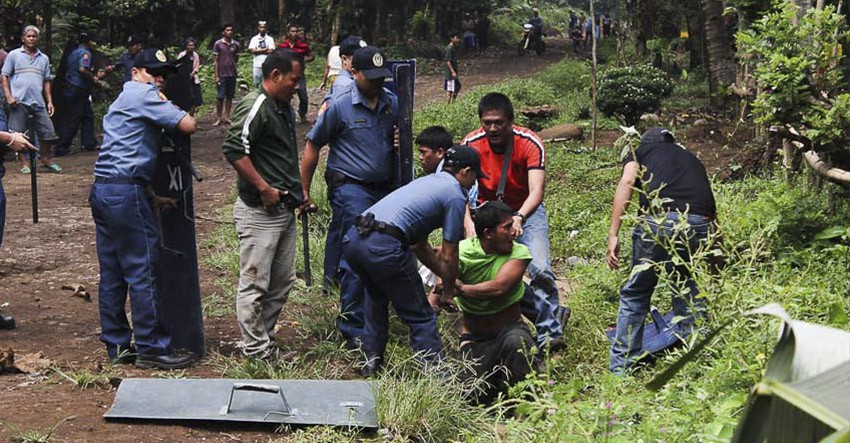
[
  {"x": 334, "y": 61},
  {"x": 258, "y": 42}
]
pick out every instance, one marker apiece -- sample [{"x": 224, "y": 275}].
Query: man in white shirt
[
  {"x": 260, "y": 47},
  {"x": 333, "y": 66}
]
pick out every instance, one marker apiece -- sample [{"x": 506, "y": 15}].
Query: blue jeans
[
  {"x": 543, "y": 297},
  {"x": 302, "y": 98},
  {"x": 635, "y": 296},
  {"x": 127, "y": 248},
  {"x": 347, "y": 202},
  {"x": 389, "y": 272}
]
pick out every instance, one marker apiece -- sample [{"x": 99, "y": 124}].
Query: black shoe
[
  {"x": 556, "y": 345},
  {"x": 371, "y": 366},
  {"x": 7, "y": 322},
  {"x": 167, "y": 362},
  {"x": 91, "y": 148},
  {"x": 353, "y": 344}
]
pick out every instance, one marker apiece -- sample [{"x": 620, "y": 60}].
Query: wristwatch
[{"x": 520, "y": 215}]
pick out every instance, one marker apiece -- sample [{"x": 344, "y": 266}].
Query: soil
[{"x": 36, "y": 260}]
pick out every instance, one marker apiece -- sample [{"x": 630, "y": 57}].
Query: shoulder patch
[
  {"x": 323, "y": 108},
  {"x": 86, "y": 56}
]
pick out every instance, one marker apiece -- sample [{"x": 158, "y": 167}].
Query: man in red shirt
[
  {"x": 523, "y": 193},
  {"x": 294, "y": 42}
]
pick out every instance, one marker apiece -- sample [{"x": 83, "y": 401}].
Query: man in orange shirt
[{"x": 522, "y": 190}]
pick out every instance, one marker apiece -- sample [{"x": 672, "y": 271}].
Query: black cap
[
  {"x": 134, "y": 39},
  {"x": 84, "y": 37},
  {"x": 153, "y": 59},
  {"x": 371, "y": 62},
  {"x": 349, "y": 45},
  {"x": 463, "y": 156},
  {"x": 657, "y": 135}
]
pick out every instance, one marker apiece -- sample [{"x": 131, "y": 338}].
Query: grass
[
  {"x": 770, "y": 246},
  {"x": 86, "y": 379},
  {"x": 36, "y": 435}
]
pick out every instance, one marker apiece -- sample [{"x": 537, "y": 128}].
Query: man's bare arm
[{"x": 509, "y": 275}]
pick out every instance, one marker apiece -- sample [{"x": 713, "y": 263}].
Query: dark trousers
[
  {"x": 389, "y": 272},
  {"x": 302, "y": 99},
  {"x": 501, "y": 361},
  {"x": 77, "y": 114},
  {"x": 347, "y": 202},
  {"x": 127, "y": 248}
]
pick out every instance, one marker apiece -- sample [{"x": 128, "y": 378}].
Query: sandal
[
  {"x": 26, "y": 170},
  {"x": 53, "y": 167}
]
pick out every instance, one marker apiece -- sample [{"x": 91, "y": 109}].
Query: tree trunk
[
  {"x": 228, "y": 11},
  {"x": 721, "y": 58},
  {"x": 593, "y": 73},
  {"x": 641, "y": 11},
  {"x": 281, "y": 17},
  {"x": 696, "y": 33}
]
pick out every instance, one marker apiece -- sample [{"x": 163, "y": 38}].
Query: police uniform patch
[
  {"x": 378, "y": 60},
  {"x": 85, "y": 56},
  {"x": 323, "y": 108},
  {"x": 161, "y": 56}
]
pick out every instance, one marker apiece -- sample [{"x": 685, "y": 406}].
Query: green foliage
[
  {"x": 421, "y": 25},
  {"x": 795, "y": 68},
  {"x": 630, "y": 92}
]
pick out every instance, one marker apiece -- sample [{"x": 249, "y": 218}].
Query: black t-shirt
[{"x": 679, "y": 174}]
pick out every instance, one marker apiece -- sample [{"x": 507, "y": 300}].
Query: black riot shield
[
  {"x": 179, "y": 307},
  {"x": 404, "y": 74}
]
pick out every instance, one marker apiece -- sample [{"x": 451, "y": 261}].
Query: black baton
[{"x": 305, "y": 237}]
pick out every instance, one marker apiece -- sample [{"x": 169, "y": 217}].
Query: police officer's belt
[
  {"x": 120, "y": 181},
  {"x": 367, "y": 223},
  {"x": 336, "y": 179}
]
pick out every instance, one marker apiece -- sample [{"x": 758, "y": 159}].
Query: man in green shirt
[
  {"x": 493, "y": 333},
  {"x": 452, "y": 84},
  {"x": 261, "y": 147}
]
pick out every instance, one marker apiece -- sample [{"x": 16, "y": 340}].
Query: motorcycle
[{"x": 530, "y": 40}]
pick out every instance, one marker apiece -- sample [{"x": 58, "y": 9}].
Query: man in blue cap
[
  {"x": 347, "y": 48},
  {"x": 79, "y": 79},
  {"x": 134, "y": 44},
  {"x": 123, "y": 204},
  {"x": 359, "y": 126},
  {"x": 381, "y": 245}
]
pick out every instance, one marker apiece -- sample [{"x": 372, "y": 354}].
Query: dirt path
[{"x": 36, "y": 260}]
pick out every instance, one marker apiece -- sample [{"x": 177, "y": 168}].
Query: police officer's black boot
[{"x": 7, "y": 322}]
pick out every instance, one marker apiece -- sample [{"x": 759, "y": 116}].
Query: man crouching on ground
[
  {"x": 261, "y": 147},
  {"x": 493, "y": 333}
]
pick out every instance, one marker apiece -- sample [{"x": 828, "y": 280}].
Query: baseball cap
[
  {"x": 135, "y": 38},
  {"x": 657, "y": 135},
  {"x": 371, "y": 62},
  {"x": 84, "y": 37},
  {"x": 350, "y": 45},
  {"x": 463, "y": 156},
  {"x": 153, "y": 60}
]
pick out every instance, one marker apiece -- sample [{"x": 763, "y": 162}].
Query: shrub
[
  {"x": 627, "y": 93},
  {"x": 421, "y": 25}
]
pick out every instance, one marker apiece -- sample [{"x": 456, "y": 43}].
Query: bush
[
  {"x": 627, "y": 93},
  {"x": 421, "y": 25}
]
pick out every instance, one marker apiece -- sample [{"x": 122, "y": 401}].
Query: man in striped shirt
[
  {"x": 523, "y": 193},
  {"x": 261, "y": 147}
]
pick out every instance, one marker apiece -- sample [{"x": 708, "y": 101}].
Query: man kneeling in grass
[{"x": 490, "y": 270}]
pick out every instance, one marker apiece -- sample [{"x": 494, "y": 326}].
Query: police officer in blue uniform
[
  {"x": 123, "y": 204},
  {"x": 347, "y": 47},
  {"x": 380, "y": 248},
  {"x": 135, "y": 43},
  {"x": 79, "y": 79},
  {"x": 359, "y": 126}
]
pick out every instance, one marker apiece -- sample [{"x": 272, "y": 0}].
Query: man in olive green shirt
[
  {"x": 261, "y": 147},
  {"x": 493, "y": 334}
]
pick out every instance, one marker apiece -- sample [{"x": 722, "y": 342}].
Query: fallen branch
[{"x": 826, "y": 170}]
